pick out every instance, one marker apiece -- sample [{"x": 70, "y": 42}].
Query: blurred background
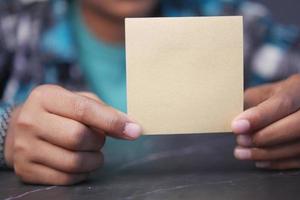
[{"x": 284, "y": 11}]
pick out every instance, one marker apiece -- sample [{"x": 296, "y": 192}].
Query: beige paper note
[{"x": 184, "y": 75}]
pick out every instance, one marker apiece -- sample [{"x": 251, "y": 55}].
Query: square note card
[{"x": 184, "y": 75}]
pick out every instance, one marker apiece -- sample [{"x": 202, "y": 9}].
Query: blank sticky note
[{"x": 184, "y": 75}]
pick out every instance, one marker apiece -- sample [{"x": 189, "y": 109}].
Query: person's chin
[
  {"x": 119, "y": 9},
  {"x": 134, "y": 11},
  {"x": 134, "y": 8}
]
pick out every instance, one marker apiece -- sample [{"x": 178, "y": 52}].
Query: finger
[
  {"x": 285, "y": 101},
  {"x": 256, "y": 95},
  {"x": 91, "y": 96},
  {"x": 94, "y": 97},
  {"x": 270, "y": 153},
  {"x": 262, "y": 115},
  {"x": 68, "y": 133},
  {"x": 65, "y": 160},
  {"x": 282, "y": 131},
  {"x": 89, "y": 112},
  {"x": 293, "y": 163},
  {"x": 244, "y": 140},
  {"x": 38, "y": 174}
]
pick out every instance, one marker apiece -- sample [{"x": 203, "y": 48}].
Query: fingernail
[
  {"x": 240, "y": 126},
  {"x": 262, "y": 164},
  {"x": 242, "y": 153},
  {"x": 244, "y": 140},
  {"x": 132, "y": 130}
]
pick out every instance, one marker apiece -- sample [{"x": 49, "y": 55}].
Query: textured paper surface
[{"x": 184, "y": 75}]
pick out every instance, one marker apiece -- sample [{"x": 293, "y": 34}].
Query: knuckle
[
  {"x": 96, "y": 142},
  {"x": 261, "y": 154},
  {"x": 279, "y": 88},
  {"x": 24, "y": 150},
  {"x": 77, "y": 136},
  {"x": 256, "y": 141},
  {"x": 91, "y": 95},
  {"x": 25, "y": 120},
  {"x": 20, "y": 148},
  {"x": 43, "y": 91},
  {"x": 76, "y": 163},
  {"x": 114, "y": 122},
  {"x": 285, "y": 102},
  {"x": 81, "y": 107},
  {"x": 260, "y": 138},
  {"x": 257, "y": 116},
  {"x": 256, "y": 154},
  {"x": 259, "y": 141},
  {"x": 38, "y": 92}
]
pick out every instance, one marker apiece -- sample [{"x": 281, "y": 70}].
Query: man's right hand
[{"x": 56, "y": 136}]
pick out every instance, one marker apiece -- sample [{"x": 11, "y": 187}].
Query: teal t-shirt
[{"x": 102, "y": 64}]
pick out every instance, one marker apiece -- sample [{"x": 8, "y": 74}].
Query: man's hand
[
  {"x": 56, "y": 136},
  {"x": 269, "y": 130}
]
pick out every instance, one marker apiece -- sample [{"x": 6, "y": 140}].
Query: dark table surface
[{"x": 168, "y": 167}]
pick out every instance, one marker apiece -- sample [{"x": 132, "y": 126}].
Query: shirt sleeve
[
  {"x": 272, "y": 49},
  {"x": 5, "y": 111}
]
